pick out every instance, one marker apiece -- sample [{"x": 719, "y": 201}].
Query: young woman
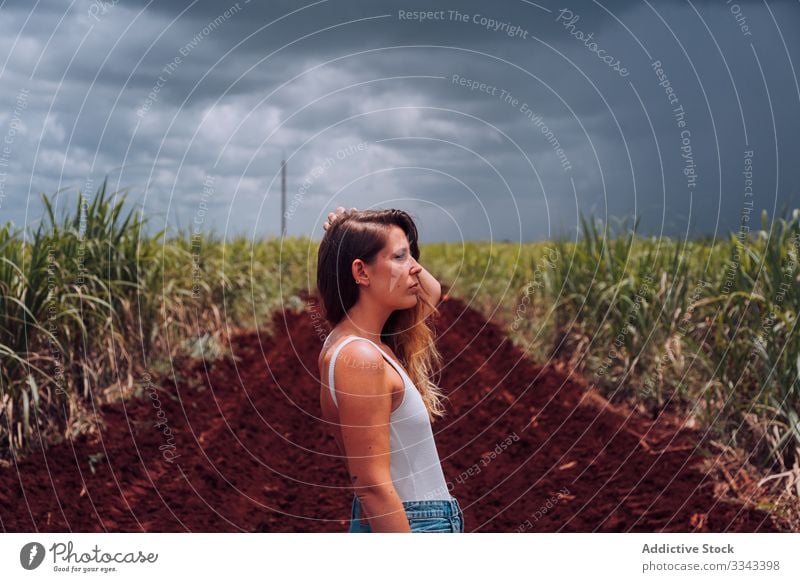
[{"x": 375, "y": 369}]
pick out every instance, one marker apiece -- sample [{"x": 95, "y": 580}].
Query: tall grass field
[{"x": 90, "y": 298}]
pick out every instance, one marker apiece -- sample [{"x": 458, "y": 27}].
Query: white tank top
[{"x": 415, "y": 466}]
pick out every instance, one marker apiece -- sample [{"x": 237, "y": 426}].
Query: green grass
[{"x": 707, "y": 330}]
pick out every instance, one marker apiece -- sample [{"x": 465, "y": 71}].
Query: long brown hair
[{"x": 361, "y": 235}]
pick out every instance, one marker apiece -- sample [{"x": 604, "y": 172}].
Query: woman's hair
[{"x": 361, "y": 235}]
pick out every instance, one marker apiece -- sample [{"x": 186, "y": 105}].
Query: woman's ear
[{"x": 360, "y": 274}]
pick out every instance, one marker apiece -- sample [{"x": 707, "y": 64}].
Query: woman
[{"x": 377, "y": 297}]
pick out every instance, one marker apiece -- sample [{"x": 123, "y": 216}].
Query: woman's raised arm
[{"x": 431, "y": 288}]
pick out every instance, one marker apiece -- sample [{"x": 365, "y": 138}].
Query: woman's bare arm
[
  {"x": 364, "y": 397},
  {"x": 431, "y": 288}
]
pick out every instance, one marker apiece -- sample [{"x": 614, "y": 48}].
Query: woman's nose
[{"x": 417, "y": 268}]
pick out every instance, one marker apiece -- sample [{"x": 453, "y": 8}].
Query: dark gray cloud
[{"x": 166, "y": 96}]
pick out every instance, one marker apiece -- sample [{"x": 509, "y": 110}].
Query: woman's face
[{"x": 393, "y": 273}]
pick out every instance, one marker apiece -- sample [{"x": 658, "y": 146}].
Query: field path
[{"x": 251, "y": 456}]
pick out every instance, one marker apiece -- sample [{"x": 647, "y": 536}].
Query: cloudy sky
[{"x": 494, "y": 120}]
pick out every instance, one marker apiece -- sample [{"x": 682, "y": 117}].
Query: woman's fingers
[{"x": 332, "y": 216}]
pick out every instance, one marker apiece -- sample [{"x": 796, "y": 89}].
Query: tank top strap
[{"x": 338, "y": 348}]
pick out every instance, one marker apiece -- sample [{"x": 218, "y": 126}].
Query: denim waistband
[
  {"x": 432, "y": 508},
  {"x": 421, "y": 508}
]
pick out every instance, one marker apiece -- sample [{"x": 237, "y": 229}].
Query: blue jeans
[{"x": 425, "y": 516}]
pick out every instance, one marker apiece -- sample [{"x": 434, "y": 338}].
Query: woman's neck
[{"x": 365, "y": 321}]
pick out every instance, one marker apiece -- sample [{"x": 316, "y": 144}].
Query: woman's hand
[{"x": 334, "y": 216}]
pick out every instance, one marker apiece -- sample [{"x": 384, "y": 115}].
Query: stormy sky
[{"x": 485, "y": 120}]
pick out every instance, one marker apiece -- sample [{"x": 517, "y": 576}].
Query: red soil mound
[{"x": 525, "y": 448}]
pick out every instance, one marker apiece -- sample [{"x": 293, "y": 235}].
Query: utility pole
[{"x": 283, "y": 195}]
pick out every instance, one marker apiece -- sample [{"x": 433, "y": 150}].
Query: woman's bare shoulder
[
  {"x": 360, "y": 369},
  {"x": 353, "y": 352}
]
